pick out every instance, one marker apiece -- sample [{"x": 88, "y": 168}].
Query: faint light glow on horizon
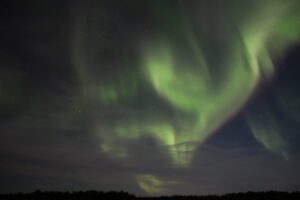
[{"x": 150, "y": 184}]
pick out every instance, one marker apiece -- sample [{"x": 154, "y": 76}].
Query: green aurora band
[{"x": 201, "y": 72}]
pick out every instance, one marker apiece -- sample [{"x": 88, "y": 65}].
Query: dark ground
[{"x": 86, "y": 195}]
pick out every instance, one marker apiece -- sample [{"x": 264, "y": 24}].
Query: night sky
[{"x": 150, "y": 97}]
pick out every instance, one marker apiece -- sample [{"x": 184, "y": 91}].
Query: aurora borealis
[{"x": 154, "y": 97}]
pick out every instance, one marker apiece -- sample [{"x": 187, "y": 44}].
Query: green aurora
[{"x": 194, "y": 72}]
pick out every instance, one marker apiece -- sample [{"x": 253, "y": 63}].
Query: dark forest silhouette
[{"x": 92, "y": 194}]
